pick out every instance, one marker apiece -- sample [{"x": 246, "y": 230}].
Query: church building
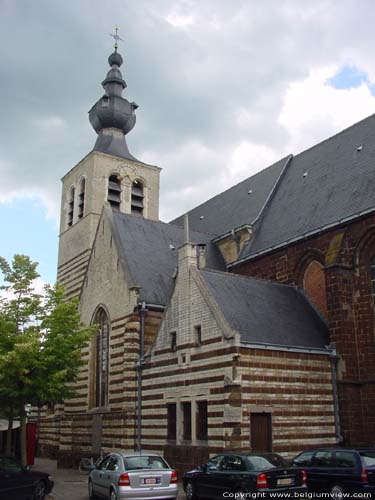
[{"x": 249, "y": 320}]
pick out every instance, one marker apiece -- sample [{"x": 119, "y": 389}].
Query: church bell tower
[{"x": 109, "y": 174}]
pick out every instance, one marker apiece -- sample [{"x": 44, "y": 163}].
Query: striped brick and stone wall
[
  {"x": 345, "y": 254},
  {"x": 295, "y": 388}
]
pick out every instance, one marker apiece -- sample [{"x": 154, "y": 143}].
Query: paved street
[{"x": 69, "y": 483}]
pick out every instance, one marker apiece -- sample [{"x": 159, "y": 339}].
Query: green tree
[{"x": 40, "y": 343}]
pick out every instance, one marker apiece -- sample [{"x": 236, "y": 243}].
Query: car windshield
[
  {"x": 368, "y": 458},
  {"x": 144, "y": 462},
  {"x": 264, "y": 462}
]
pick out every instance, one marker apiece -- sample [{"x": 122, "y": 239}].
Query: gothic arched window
[
  {"x": 114, "y": 192},
  {"x": 81, "y": 198},
  {"x": 101, "y": 359},
  {"x": 314, "y": 283},
  {"x": 137, "y": 204},
  {"x": 71, "y": 206}
]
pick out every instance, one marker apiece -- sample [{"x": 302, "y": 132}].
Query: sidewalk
[{"x": 69, "y": 483}]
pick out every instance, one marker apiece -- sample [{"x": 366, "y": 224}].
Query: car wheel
[
  {"x": 113, "y": 495},
  {"x": 40, "y": 491},
  {"x": 190, "y": 491},
  {"x": 91, "y": 491},
  {"x": 337, "y": 491}
]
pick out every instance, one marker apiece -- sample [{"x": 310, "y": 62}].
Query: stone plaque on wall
[{"x": 232, "y": 414}]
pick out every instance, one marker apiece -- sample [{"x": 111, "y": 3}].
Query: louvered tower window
[
  {"x": 137, "y": 198},
  {"x": 71, "y": 206},
  {"x": 114, "y": 192},
  {"x": 81, "y": 198}
]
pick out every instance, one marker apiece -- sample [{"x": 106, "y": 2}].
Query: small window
[
  {"x": 71, "y": 206},
  {"x": 202, "y": 421},
  {"x": 173, "y": 341},
  {"x": 186, "y": 421},
  {"x": 323, "y": 459},
  {"x": 232, "y": 463},
  {"x": 114, "y": 192},
  {"x": 198, "y": 334},
  {"x": 215, "y": 463},
  {"x": 81, "y": 198},
  {"x": 137, "y": 197},
  {"x": 104, "y": 463},
  {"x": 172, "y": 421},
  {"x": 304, "y": 459},
  {"x": 113, "y": 464},
  {"x": 346, "y": 460}
]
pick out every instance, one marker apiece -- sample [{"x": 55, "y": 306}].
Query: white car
[{"x": 123, "y": 476}]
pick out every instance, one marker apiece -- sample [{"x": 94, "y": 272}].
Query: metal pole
[
  {"x": 140, "y": 366},
  {"x": 334, "y": 362}
]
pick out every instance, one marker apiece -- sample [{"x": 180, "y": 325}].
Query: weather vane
[{"x": 116, "y": 37}]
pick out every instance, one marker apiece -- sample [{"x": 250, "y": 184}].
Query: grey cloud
[{"x": 190, "y": 83}]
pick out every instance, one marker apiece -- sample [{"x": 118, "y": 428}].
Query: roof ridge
[
  {"x": 334, "y": 135},
  {"x": 168, "y": 224},
  {"x": 231, "y": 187},
  {"x": 192, "y": 230},
  {"x": 251, "y": 278}
]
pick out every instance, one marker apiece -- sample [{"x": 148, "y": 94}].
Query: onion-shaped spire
[{"x": 113, "y": 116}]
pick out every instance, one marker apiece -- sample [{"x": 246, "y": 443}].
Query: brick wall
[{"x": 345, "y": 253}]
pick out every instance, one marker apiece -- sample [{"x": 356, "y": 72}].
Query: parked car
[
  {"x": 120, "y": 476},
  {"x": 21, "y": 483},
  {"x": 339, "y": 470},
  {"x": 235, "y": 475}
]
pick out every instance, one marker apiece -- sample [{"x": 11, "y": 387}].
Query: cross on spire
[{"x": 116, "y": 37}]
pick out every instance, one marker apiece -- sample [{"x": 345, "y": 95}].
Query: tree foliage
[{"x": 41, "y": 339}]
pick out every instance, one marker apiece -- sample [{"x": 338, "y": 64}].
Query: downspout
[
  {"x": 334, "y": 358},
  {"x": 139, "y": 367}
]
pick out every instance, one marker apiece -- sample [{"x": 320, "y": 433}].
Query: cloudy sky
[{"x": 225, "y": 87}]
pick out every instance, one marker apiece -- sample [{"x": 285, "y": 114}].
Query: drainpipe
[
  {"x": 139, "y": 367},
  {"x": 334, "y": 358}
]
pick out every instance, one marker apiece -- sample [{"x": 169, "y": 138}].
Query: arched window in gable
[
  {"x": 314, "y": 283},
  {"x": 114, "y": 192},
  {"x": 100, "y": 366},
  {"x": 137, "y": 198},
  {"x": 81, "y": 198},
  {"x": 71, "y": 206}
]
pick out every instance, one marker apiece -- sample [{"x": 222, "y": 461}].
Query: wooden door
[{"x": 260, "y": 432}]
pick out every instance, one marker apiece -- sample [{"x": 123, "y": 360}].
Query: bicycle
[{"x": 85, "y": 465}]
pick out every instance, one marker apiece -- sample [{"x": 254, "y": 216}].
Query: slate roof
[
  {"x": 150, "y": 260},
  {"x": 267, "y": 313},
  {"x": 322, "y": 186},
  {"x": 340, "y": 184},
  {"x": 234, "y": 207}
]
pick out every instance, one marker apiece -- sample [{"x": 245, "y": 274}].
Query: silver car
[{"x": 120, "y": 476}]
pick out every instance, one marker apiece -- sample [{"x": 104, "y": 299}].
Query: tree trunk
[
  {"x": 9, "y": 435},
  {"x": 23, "y": 435}
]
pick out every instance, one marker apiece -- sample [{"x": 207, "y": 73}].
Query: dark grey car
[
  {"x": 20, "y": 483},
  {"x": 126, "y": 476}
]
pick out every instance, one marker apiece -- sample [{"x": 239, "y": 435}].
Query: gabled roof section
[
  {"x": 332, "y": 182},
  {"x": 150, "y": 251},
  {"x": 236, "y": 206},
  {"x": 321, "y": 187},
  {"x": 267, "y": 313}
]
